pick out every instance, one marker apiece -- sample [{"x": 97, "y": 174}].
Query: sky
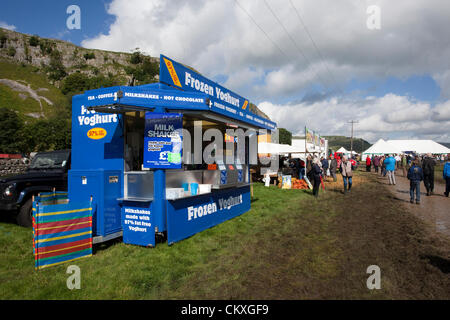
[{"x": 320, "y": 64}]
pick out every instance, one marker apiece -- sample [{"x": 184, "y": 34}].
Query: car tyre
[{"x": 25, "y": 216}]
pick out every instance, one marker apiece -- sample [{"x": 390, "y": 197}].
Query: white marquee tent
[
  {"x": 419, "y": 146},
  {"x": 345, "y": 151},
  {"x": 381, "y": 147}
]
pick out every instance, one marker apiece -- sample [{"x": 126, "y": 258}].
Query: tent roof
[
  {"x": 299, "y": 145},
  {"x": 275, "y": 148},
  {"x": 420, "y": 146},
  {"x": 382, "y": 147},
  {"x": 342, "y": 150}
]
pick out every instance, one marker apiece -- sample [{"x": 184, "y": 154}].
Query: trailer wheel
[{"x": 24, "y": 218}]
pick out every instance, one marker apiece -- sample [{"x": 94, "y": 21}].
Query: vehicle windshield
[{"x": 49, "y": 160}]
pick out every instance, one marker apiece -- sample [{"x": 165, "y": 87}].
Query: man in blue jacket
[
  {"x": 324, "y": 168},
  {"x": 446, "y": 176},
  {"x": 415, "y": 176},
  {"x": 390, "y": 168}
]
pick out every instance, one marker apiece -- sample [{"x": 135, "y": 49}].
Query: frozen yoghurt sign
[
  {"x": 163, "y": 140},
  {"x": 222, "y": 100}
]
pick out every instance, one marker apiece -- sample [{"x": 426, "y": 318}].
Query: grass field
[{"x": 289, "y": 246}]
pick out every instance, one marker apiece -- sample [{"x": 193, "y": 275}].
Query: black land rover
[{"x": 47, "y": 171}]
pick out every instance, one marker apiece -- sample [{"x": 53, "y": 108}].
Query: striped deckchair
[{"x": 61, "y": 232}]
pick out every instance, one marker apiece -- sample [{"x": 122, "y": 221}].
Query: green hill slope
[
  {"x": 28, "y": 92},
  {"x": 39, "y": 76},
  {"x": 336, "y": 142}
]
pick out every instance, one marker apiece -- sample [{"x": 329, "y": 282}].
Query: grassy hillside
[
  {"x": 336, "y": 142},
  {"x": 25, "y": 103},
  {"x": 56, "y": 70}
]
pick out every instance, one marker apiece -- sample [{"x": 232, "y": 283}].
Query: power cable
[
  {"x": 260, "y": 28},
  {"x": 313, "y": 42},
  {"x": 294, "y": 42}
]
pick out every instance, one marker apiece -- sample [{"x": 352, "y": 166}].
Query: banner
[
  {"x": 309, "y": 136},
  {"x": 163, "y": 140},
  {"x": 322, "y": 144},
  {"x": 188, "y": 216},
  {"x": 223, "y": 101}
]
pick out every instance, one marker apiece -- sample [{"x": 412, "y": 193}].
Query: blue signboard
[
  {"x": 223, "y": 100},
  {"x": 188, "y": 216},
  {"x": 163, "y": 140},
  {"x": 137, "y": 225}
]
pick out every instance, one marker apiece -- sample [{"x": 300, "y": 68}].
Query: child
[
  {"x": 446, "y": 176},
  {"x": 415, "y": 176}
]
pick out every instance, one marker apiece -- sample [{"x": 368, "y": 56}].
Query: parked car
[{"x": 46, "y": 172}]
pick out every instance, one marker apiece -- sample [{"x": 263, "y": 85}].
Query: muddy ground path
[
  {"x": 321, "y": 249},
  {"x": 434, "y": 210}
]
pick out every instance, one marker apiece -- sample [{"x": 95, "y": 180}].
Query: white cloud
[
  {"x": 7, "y": 26},
  {"x": 387, "y": 117},
  {"x": 218, "y": 38}
]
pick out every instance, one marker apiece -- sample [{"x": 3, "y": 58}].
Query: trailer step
[{"x": 100, "y": 239}]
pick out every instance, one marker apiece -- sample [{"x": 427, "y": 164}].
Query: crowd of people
[
  {"x": 316, "y": 170},
  {"x": 416, "y": 168}
]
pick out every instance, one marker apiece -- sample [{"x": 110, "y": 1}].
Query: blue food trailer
[{"x": 129, "y": 154}]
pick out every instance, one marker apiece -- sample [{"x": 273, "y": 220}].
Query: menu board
[{"x": 163, "y": 140}]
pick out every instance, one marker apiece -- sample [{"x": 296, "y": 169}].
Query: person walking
[
  {"x": 368, "y": 163},
  {"x": 297, "y": 167},
  {"x": 446, "y": 176},
  {"x": 415, "y": 176},
  {"x": 404, "y": 165},
  {"x": 333, "y": 168},
  {"x": 376, "y": 163},
  {"x": 390, "y": 169},
  {"x": 324, "y": 168},
  {"x": 316, "y": 174},
  {"x": 383, "y": 166},
  {"x": 397, "y": 161},
  {"x": 302, "y": 169},
  {"x": 347, "y": 173},
  {"x": 428, "y": 164},
  {"x": 309, "y": 163}
]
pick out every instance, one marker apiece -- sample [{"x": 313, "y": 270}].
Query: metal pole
[
  {"x": 159, "y": 187},
  {"x": 351, "y": 139}
]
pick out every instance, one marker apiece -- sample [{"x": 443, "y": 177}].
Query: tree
[
  {"x": 75, "y": 83},
  {"x": 34, "y": 41},
  {"x": 11, "y": 126},
  {"x": 144, "y": 71},
  {"x": 136, "y": 58},
  {"x": 46, "y": 135},
  {"x": 89, "y": 55},
  {"x": 3, "y": 39},
  {"x": 285, "y": 136},
  {"x": 78, "y": 82},
  {"x": 56, "y": 68},
  {"x": 11, "y": 51}
]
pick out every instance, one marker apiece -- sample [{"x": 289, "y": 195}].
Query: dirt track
[
  {"x": 322, "y": 251},
  {"x": 434, "y": 210}
]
